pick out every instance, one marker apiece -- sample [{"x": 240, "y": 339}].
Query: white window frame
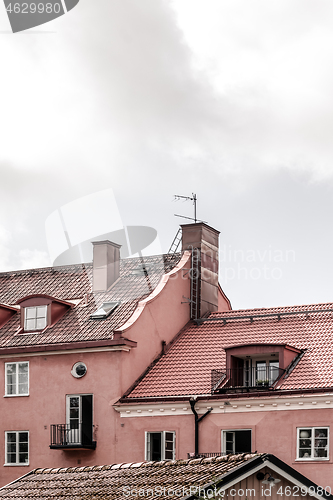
[
  {"x": 223, "y": 438},
  {"x": 163, "y": 433},
  {"x": 75, "y": 434},
  {"x": 312, "y": 438},
  {"x": 16, "y": 464},
  {"x": 35, "y": 329},
  {"x": 17, "y": 394}
]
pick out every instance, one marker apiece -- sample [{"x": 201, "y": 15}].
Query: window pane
[
  {"x": 273, "y": 371},
  {"x": 30, "y": 324},
  {"x": 11, "y": 458},
  {"x": 23, "y": 368},
  {"x": 74, "y": 402},
  {"x": 23, "y": 388},
  {"x": 74, "y": 413},
  {"x": 11, "y": 378},
  {"x": 23, "y": 437},
  {"x": 41, "y": 311},
  {"x": 320, "y": 443},
  {"x": 305, "y": 433},
  {"x": 305, "y": 453},
  {"x": 11, "y": 389},
  {"x": 11, "y": 447},
  {"x": 11, "y": 437},
  {"x": 169, "y": 436},
  {"x": 41, "y": 323},
  {"x": 229, "y": 442},
  {"x": 304, "y": 443},
  {"x": 261, "y": 371},
  {"x": 156, "y": 446},
  {"x": 30, "y": 312},
  {"x": 23, "y": 458}
]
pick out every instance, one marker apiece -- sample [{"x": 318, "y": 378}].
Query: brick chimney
[
  {"x": 203, "y": 240},
  {"x": 106, "y": 256}
]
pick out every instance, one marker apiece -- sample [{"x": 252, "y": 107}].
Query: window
[
  {"x": 266, "y": 372},
  {"x": 79, "y": 419},
  {"x": 312, "y": 443},
  {"x": 105, "y": 310},
  {"x": 160, "y": 446},
  {"x": 17, "y": 448},
  {"x": 35, "y": 318},
  {"x": 17, "y": 379},
  {"x": 236, "y": 441}
]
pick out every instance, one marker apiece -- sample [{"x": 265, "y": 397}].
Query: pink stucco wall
[{"x": 273, "y": 432}]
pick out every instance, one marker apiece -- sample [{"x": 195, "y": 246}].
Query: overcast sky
[{"x": 228, "y": 99}]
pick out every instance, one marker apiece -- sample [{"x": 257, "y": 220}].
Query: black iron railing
[
  {"x": 65, "y": 436},
  {"x": 204, "y": 455},
  {"x": 248, "y": 378}
]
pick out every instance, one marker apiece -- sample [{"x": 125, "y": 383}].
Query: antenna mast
[{"x": 186, "y": 198}]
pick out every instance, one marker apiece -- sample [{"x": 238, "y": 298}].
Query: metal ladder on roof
[
  {"x": 176, "y": 242},
  {"x": 195, "y": 283}
]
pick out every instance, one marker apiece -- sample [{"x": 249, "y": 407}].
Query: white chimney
[{"x": 106, "y": 256}]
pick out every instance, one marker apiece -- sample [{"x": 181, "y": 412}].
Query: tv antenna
[{"x": 187, "y": 198}]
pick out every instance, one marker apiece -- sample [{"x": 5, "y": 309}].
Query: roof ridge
[
  {"x": 132, "y": 465},
  {"x": 47, "y": 268},
  {"x": 299, "y": 307},
  {"x": 82, "y": 264}
]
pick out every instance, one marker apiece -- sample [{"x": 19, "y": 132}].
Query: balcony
[
  {"x": 65, "y": 437},
  {"x": 245, "y": 379}
]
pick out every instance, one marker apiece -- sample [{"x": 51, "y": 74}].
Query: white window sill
[
  {"x": 17, "y": 465},
  {"x": 15, "y": 395},
  {"x": 317, "y": 459}
]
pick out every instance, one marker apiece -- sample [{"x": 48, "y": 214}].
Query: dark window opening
[{"x": 238, "y": 441}]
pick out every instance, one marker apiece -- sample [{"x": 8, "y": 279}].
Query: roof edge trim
[
  {"x": 163, "y": 282},
  {"x": 14, "y": 308},
  {"x": 44, "y": 295}
]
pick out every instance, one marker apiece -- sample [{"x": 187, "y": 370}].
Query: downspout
[{"x": 197, "y": 419}]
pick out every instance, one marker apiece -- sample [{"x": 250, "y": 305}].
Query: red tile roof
[
  {"x": 75, "y": 282},
  {"x": 186, "y": 367}
]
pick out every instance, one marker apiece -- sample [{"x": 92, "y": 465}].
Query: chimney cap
[
  {"x": 108, "y": 242},
  {"x": 203, "y": 224}
]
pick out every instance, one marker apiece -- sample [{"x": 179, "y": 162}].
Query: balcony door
[{"x": 79, "y": 419}]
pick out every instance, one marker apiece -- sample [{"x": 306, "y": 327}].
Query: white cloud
[
  {"x": 30, "y": 259},
  {"x": 4, "y": 248}
]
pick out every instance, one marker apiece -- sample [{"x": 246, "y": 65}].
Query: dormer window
[
  {"x": 41, "y": 311},
  {"x": 254, "y": 367},
  {"x": 35, "y": 318}
]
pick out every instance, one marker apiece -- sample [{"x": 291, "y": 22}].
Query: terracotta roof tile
[
  {"x": 186, "y": 367},
  {"x": 75, "y": 282},
  {"x": 109, "y": 482}
]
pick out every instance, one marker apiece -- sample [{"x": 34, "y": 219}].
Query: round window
[{"x": 79, "y": 370}]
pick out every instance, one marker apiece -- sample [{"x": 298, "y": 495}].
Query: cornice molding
[{"x": 281, "y": 403}]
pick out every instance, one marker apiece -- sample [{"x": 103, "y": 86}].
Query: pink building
[
  {"x": 73, "y": 339},
  {"x": 126, "y": 360}
]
